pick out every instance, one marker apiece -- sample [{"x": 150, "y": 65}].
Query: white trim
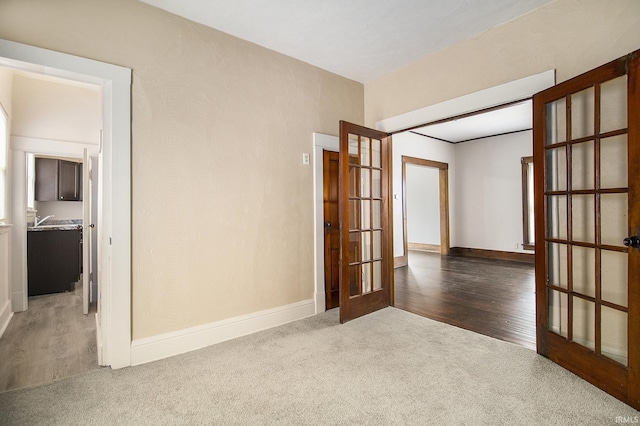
[
  {"x": 493, "y": 96},
  {"x": 321, "y": 143},
  {"x": 5, "y": 316},
  {"x": 190, "y": 339},
  {"x": 115, "y": 238},
  {"x": 5, "y": 312},
  {"x": 52, "y": 146}
]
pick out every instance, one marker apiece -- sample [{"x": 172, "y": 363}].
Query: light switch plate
[{"x": 305, "y": 158}]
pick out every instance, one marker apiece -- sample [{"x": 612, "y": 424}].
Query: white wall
[
  {"x": 423, "y": 204},
  {"x": 414, "y": 145},
  {"x": 485, "y": 188},
  {"x": 5, "y": 232},
  {"x": 61, "y": 209},
  {"x": 48, "y": 109},
  {"x": 488, "y": 192}
]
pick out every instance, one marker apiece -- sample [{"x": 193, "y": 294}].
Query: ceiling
[
  {"x": 358, "y": 39},
  {"x": 511, "y": 119}
]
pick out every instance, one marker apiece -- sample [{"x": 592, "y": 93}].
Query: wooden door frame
[{"x": 444, "y": 205}]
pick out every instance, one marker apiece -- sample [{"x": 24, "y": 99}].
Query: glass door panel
[
  {"x": 613, "y": 162},
  {"x": 614, "y": 228},
  {"x": 614, "y": 334},
  {"x": 557, "y": 169},
  {"x": 613, "y": 270},
  {"x": 613, "y": 104},
  {"x": 583, "y": 264},
  {"x": 582, "y": 113},
  {"x": 582, "y": 159},
  {"x": 556, "y": 119}
]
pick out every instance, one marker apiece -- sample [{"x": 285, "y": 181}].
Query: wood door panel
[{"x": 580, "y": 360}]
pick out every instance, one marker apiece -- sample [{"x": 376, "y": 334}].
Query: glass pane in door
[
  {"x": 614, "y": 276},
  {"x": 557, "y": 265},
  {"x": 556, "y": 178},
  {"x": 613, "y": 104},
  {"x": 582, "y": 113},
  {"x": 557, "y": 217},
  {"x": 583, "y": 218},
  {"x": 582, "y": 165},
  {"x": 556, "y": 119},
  {"x": 584, "y": 322},
  {"x": 613, "y": 162},
  {"x": 584, "y": 270},
  {"x": 614, "y": 223},
  {"x": 558, "y": 313},
  {"x": 614, "y": 334}
]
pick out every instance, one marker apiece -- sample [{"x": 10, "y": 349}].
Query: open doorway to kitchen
[
  {"x": 54, "y": 121},
  {"x": 113, "y": 321}
]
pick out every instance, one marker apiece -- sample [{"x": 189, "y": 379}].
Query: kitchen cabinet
[
  {"x": 53, "y": 260},
  {"x": 58, "y": 180}
]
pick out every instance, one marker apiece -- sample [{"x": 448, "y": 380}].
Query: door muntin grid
[
  {"x": 365, "y": 215},
  {"x": 586, "y": 207}
]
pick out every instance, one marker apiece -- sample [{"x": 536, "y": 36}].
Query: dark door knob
[
  {"x": 632, "y": 242},
  {"x": 327, "y": 224}
]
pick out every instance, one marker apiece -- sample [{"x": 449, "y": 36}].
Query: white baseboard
[
  {"x": 99, "y": 343},
  {"x": 321, "y": 302},
  {"x": 178, "y": 342},
  {"x": 5, "y": 316}
]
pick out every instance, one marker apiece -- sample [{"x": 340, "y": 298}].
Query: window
[
  {"x": 528, "y": 226},
  {"x": 4, "y": 147}
]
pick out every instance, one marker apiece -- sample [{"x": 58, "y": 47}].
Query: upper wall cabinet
[{"x": 58, "y": 180}]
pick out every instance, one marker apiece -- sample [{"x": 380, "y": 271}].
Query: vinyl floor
[{"x": 52, "y": 340}]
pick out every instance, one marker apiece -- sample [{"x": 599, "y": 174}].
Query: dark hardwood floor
[{"x": 491, "y": 297}]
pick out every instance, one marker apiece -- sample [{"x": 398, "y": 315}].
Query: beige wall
[
  {"x": 6, "y": 79},
  {"x": 571, "y": 36},
  {"x": 48, "y": 109},
  {"x": 221, "y": 204}
]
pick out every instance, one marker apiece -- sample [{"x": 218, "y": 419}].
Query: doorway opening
[
  {"x": 113, "y": 324},
  {"x": 425, "y": 207}
]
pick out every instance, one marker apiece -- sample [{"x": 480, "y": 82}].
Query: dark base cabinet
[{"x": 53, "y": 260}]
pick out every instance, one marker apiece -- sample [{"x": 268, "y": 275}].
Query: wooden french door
[
  {"x": 366, "y": 258},
  {"x": 587, "y": 186}
]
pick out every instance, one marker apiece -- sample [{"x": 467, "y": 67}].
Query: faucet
[{"x": 39, "y": 222}]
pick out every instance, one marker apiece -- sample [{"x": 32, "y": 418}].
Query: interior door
[
  {"x": 366, "y": 258},
  {"x": 587, "y": 177},
  {"x": 331, "y": 229}
]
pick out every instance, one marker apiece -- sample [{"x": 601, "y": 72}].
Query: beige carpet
[{"x": 390, "y": 367}]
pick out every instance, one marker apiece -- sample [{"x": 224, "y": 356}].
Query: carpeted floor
[{"x": 390, "y": 367}]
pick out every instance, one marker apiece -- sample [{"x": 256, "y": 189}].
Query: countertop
[{"x": 57, "y": 225}]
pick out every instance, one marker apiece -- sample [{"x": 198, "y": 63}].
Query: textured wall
[
  {"x": 221, "y": 204},
  {"x": 489, "y": 192},
  {"x": 571, "y": 36}
]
